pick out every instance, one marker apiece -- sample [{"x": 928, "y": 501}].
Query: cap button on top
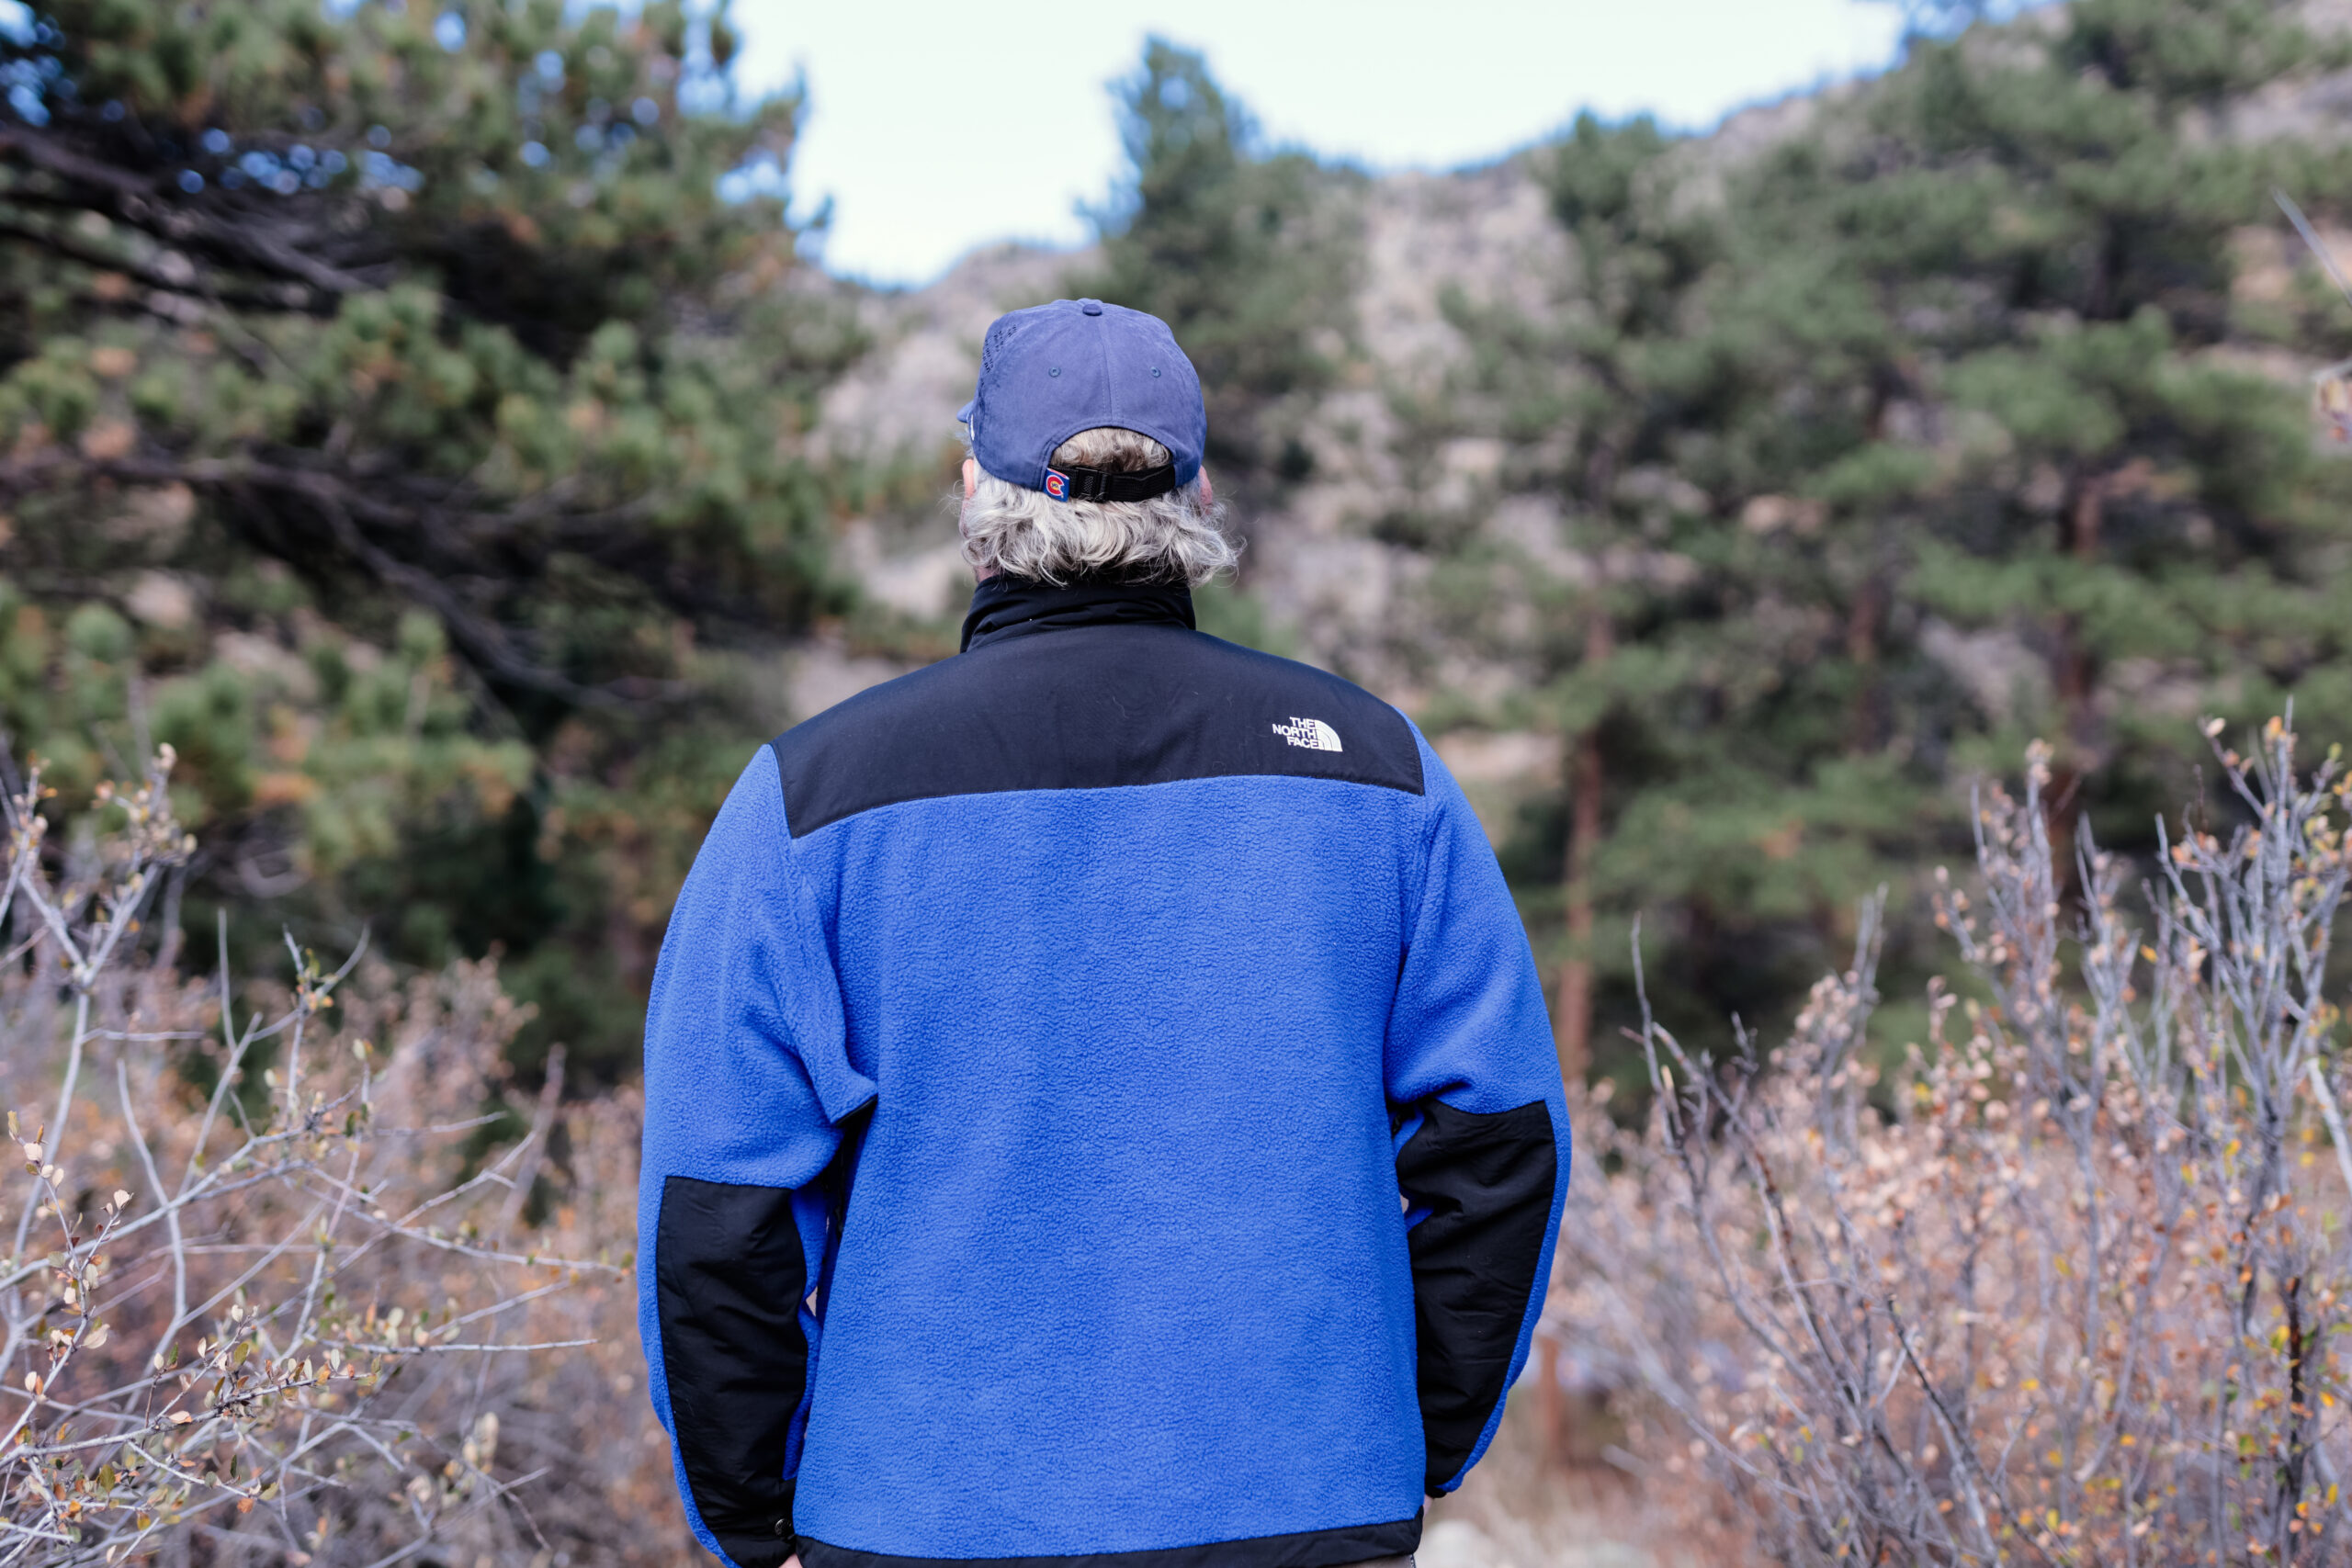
[{"x": 1091, "y": 307}]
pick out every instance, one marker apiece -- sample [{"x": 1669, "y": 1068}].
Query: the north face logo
[{"x": 1311, "y": 733}]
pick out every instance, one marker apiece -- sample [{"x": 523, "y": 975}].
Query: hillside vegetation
[
  {"x": 404, "y": 420},
  {"x": 1730, "y": 505}
]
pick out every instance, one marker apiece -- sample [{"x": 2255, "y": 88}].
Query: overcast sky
[{"x": 938, "y": 127}]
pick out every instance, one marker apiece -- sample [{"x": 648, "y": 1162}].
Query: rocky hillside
[
  {"x": 1328, "y": 587},
  {"x": 1325, "y": 589},
  {"x": 1325, "y": 582}
]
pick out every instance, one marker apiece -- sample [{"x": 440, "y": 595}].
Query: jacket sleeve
[
  {"x": 1483, "y": 1133},
  {"x": 747, "y": 1084}
]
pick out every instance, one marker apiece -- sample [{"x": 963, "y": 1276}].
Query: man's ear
[
  {"x": 971, "y": 477},
  {"x": 1208, "y": 491}
]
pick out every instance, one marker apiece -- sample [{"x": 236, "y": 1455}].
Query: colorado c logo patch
[{"x": 1056, "y": 484}]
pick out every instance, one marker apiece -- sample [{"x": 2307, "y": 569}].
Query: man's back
[
  {"x": 1039, "y": 1049},
  {"x": 1127, "y": 1190}
]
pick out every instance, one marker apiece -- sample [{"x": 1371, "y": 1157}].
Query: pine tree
[
  {"x": 1250, "y": 255},
  {"x": 2111, "y": 488},
  {"x": 1955, "y": 371},
  {"x": 397, "y": 400},
  {"x": 1638, "y": 261}
]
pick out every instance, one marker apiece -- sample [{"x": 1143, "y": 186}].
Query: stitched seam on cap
[{"x": 1110, "y": 385}]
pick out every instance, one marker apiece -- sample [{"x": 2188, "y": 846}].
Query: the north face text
[{"x": 1311, "y": 733}]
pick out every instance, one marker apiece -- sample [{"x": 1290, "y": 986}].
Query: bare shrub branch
[
  {"x": 267, "y": 1297},
  {"x": 2067, "y": 1287}
]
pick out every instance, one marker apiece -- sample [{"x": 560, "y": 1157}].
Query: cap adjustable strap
[{"x": 1101, "y": 484}]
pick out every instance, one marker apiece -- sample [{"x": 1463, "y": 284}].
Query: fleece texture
[{"x": 1089, "y": 1104}]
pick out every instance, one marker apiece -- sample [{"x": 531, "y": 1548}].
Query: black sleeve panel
[
  {"x": 1486, "y": 1181},
  {"x": 730, "y": 1276}
]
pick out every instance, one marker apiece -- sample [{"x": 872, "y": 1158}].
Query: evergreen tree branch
[{"x": 249, "y": 241}]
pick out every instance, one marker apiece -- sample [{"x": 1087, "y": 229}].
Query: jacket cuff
[{"x": 751, "y": 1549}]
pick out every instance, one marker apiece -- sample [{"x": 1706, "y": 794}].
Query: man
[{"x": 1041, "y": 1045}]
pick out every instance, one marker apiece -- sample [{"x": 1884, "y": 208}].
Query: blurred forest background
[{"x": 430, "y": 422}]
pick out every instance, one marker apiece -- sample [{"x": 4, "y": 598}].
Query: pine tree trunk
[
  {"x": 1573, "y": 1035},
  {"x": 1865, "y": 722},
  {"x": 2075, "y": 680}
]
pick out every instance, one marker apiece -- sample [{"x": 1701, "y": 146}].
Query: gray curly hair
[{"x": 1025, "y": 533}]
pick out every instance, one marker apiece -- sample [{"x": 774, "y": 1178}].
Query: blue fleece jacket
[{"x": 1037, "y": 1058}]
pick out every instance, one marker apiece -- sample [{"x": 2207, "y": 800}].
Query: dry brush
[
  {"x": 278, "y": 1280},
  {"x": 2069, "y": 1285}
]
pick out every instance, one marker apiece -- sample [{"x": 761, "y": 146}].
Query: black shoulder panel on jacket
[
  {"x": 730, "y": 1276},
  {"x": 1486, "y": 1181},
  {"x": 1088, "y": 707}
]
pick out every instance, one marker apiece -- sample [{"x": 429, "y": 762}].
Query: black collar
[{"x": 1005, "y": 607}]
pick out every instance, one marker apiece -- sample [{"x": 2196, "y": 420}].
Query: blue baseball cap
[{"x": 1052, "y": 370}]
